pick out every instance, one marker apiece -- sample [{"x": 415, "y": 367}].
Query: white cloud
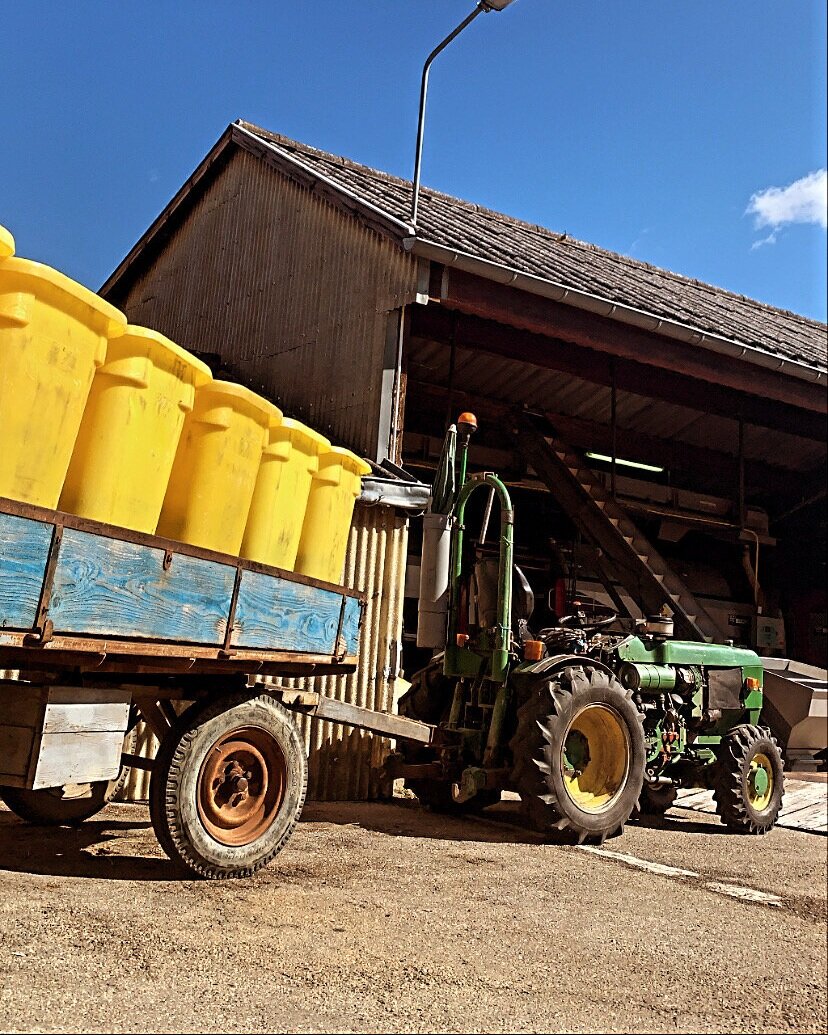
[{"x": 803, "y": 201}]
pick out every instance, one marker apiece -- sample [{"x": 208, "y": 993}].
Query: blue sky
[{"x": 645, "y": 127}]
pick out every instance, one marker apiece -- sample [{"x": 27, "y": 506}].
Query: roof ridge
[{"x": 502, "y": 217}]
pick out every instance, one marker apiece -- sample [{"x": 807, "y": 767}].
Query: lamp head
[{"x": 495, "y": 5}]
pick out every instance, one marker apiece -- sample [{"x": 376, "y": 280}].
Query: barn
[{"x": 664, "y": 439}]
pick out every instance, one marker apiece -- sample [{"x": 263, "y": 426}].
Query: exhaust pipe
[{"x": 432, "y": 610}]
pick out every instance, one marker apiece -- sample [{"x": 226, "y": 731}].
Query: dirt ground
[{"x": 386, "y": 918}]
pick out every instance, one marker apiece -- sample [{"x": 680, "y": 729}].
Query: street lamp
[{"x": 483, "y": 7}]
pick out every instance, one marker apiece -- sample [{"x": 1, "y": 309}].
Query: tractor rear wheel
[
  {"x": 579, "y": 753},
  {"x": 749, "y": 782}
]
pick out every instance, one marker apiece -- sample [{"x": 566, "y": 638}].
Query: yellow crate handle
[
  {"x": 134, "y": 370},
  {"x": 215, "y": 417},
  {"x": 16, "y": 308}
]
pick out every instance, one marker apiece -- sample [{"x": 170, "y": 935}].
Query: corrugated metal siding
[
  {"x": 292, "y": 293},
  {"x": 342, "y": 760}
]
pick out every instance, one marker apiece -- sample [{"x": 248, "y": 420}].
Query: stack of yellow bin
[
  {"x": 119, "y": 424},
  {"x": 6, "y": 244},
  {"x": 54, "y": 334},
  {"x": 130, "y": 430},
  {"x": 274, "y": 524},
  {"x": 334, "y": 491},
  {"x": 214, "y": 474}
]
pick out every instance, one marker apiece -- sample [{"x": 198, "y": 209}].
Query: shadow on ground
[
  {"x": 93, "y": 849},
  {"x": 405, "y": 817},
  {"x": 103, "y": 848}
]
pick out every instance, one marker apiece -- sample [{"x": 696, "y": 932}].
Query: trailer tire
[
  {"x": 229, "y": 785},
  {"x": 578, "y": 753},
  {"x": 68, "y": 805},
  {"x": 749, "y": 781}
]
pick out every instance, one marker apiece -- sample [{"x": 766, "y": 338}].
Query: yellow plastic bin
[
  {"x": 53, "y": 335},
  {"x": 6, "y": 243},
  {"x": 130, "y": 430},
  {"x": 274, "y": 524},
  {"x": 216, "y": 465},
  {"x": 334, "y": 491}
]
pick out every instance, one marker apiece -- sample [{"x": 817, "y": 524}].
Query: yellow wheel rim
[
  {"x": 595, "y": 759},
  {"x": 760, "y": 782}
]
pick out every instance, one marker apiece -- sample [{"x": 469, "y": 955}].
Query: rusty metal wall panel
[
  {"x": 292, "y": 293},
  {"x": 341, "y": 760}
]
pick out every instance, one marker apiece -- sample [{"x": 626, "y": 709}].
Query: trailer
[{"x": 101, "y": 627}]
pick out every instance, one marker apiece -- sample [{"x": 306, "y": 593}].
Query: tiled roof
[{"x": 539, "y": 252}]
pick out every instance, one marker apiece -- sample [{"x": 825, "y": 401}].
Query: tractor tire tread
[
  {"x": 730, "y": 791},
  {"x": 540, "y": 722}
]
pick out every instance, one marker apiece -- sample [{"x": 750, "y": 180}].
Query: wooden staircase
[{"x": 626, "y": 553}]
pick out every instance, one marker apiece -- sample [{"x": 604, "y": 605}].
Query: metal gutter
[
  {"x": 613, "y": 310},
  {"x": 391, "y": 492}
]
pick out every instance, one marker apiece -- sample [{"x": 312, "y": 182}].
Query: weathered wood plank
[
  {"x": 21, "y": 704},
  {"x": 131, "y": 656},
  {"x": 77, "y": 758},
  {"x": 86, "y": 710},
  {"x": 350, "y": 626},
  {"x": 109, "y": 587},
  {"x": 273, "y": 613},
  {"x": 15, "y": 750},
  {"x": 24, "y": 549},
  {"x": 367, "y": 719}
]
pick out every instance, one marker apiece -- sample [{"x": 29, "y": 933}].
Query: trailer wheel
[
  {"x": 228, "y": 785},
  {"x": 70, "y": 804},
  {"x": 578, "y": 753},
  {"x": 749, "y": 782}
]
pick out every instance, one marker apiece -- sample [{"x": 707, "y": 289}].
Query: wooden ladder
[{"x": 626, "y": 552}]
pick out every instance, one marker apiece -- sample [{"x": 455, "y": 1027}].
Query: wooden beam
[
  {"x": 437, "y": 322},
  {"x": 708, "y": 466},
  {"x": 322, "y": 707},
  {"x": 472, "y": 294}
]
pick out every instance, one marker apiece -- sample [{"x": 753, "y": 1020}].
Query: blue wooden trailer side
[
  {"x": 107, "y": 626},
  {"x": 68, "y": 583}
]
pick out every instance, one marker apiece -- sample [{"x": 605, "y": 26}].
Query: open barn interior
[{"x": 725, "y": 484}]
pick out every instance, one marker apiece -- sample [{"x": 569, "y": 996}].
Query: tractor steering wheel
[{"x": 589, "y": 616}]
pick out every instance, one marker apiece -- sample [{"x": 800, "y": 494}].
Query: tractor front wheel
[
  {"x": 579, "y": 753},
  {"x": 749, "y": 781}
]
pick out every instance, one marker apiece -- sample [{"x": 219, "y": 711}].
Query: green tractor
[{"x": 588, "y": 725}]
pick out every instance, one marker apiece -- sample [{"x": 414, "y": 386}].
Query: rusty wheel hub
[{"x": 241, "y": 785}]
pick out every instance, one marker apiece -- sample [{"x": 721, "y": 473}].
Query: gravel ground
[{"x": 385, "y": 918}]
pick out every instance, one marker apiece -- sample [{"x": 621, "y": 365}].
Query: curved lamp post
[{"x": 483, "y": 6}]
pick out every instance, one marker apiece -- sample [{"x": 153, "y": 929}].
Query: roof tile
[{"x": 556, "y": 257}]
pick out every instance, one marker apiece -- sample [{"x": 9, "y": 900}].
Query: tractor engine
[{"x": 689, "y": 694}]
